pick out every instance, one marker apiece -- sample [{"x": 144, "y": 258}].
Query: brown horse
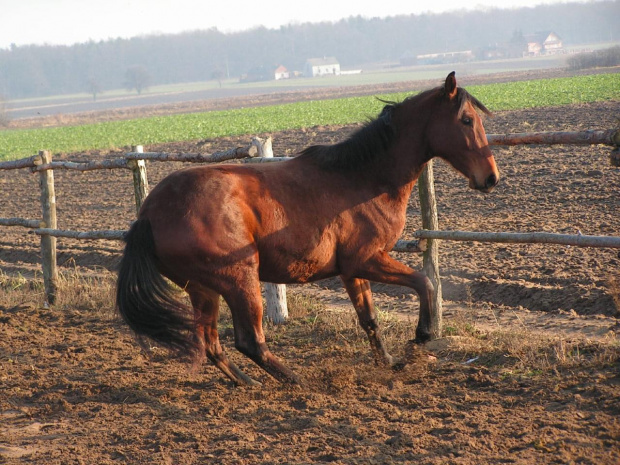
[{"x": 331, "y": 211}]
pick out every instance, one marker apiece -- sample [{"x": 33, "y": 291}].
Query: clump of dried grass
[
  {"x": 17, "y": 290},
  {"x": 78, "y": 291},
  {"x": 88, "y": 292},
  {"x": 301, "y": 305},
  {"x": 521, "y": 351},
  {"x": 341, "y": 323}
]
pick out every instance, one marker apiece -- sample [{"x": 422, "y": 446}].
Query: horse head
[{"x": 455, "y": 133}]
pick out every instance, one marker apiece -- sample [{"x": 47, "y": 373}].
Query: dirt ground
[{"x": 76, "y": 388}]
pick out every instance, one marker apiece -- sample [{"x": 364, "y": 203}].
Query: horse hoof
[
  {"x": 384, "y": 360},
  {"x": 290, "y": 380},
  {"x": 399, "y": 366},
  {"x": 419, "y": 340},
  {"x": 246, "y": 381}
]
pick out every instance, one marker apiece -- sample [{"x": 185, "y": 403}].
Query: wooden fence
[{"x": 260, "y": 151}]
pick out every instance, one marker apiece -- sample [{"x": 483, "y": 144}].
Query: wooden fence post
[
  {"x": 428, "y": 207},
  {"x": 48, "y": 243},
  {"x": 140, "y": 180},
  {"x": 275, "y": 294}
]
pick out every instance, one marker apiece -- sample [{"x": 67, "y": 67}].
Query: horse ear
[
  {"x": 386, "y": 114},
  {"x": 451, "y": 85}
]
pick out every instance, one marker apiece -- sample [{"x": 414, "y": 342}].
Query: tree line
[{"x": 40, "y": 70}]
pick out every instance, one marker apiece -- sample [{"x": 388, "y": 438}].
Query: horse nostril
[{"x": 491, "y": 181}]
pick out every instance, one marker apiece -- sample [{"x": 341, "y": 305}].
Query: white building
[
  {"x": 281, "y": 73},
  {"x": 544, "y": 43},
  {"x": 326, "y": 66}
]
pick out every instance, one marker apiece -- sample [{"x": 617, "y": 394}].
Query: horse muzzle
[{"x": 489, "y": 183}]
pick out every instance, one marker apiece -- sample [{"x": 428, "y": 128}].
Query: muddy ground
[{"x": 77, "y": 389}]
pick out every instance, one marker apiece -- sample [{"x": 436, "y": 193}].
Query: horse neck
[{"x": 409, "y": 151}]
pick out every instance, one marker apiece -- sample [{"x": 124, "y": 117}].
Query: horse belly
[{"x": 298, "y": 265}]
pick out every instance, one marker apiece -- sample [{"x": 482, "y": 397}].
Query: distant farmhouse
[
  {"x": 325, "y": 66},
  {"x": 543, "y": 43},
  {"x": 281, "y": 73},
  {"x": 265, "y": 73}
]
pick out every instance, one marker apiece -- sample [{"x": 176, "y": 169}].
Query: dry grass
[
  {"x": 87, "y": 293},
  {"x": 342, "y": 323},
  {"x": 513, "y": 351},
  {"x": 523, "y": 352},
  {"x": 300, "y": 305},
  {"x": 17, "y": 290},
  {"x": 76, "y": 291}
]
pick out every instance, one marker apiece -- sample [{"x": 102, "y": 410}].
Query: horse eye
[{"x": 466, "y": 120}]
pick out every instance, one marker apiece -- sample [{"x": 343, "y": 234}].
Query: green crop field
[{"x": 504, "y": 96}]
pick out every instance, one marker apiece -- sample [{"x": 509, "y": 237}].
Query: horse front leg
[
  {"x": 384, "y": 269},
  {"x": 361, "y": 297}
]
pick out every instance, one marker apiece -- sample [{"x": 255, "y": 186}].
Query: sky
[{"x": 65, "y": 22}]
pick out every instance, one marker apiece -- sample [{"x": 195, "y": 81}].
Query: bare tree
[
  {"x": 93, "y": 87},
  {"x": 137, "y": 77},
  {"x": 5, "y": 119},
  {"x": 218, "y": 75}
]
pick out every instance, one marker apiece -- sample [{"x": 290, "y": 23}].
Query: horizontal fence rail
[
  {"x": 606, "y": 137},
  {"x": 417, "y": 246},
  {"x": 84, "y": 166},
  {"x": 578, "y": 240},
  {"x": 107, "y": 234},
  {"x": 266, "y": 160},
  {"x": 26, "y": 223},
  {"x": 592, "y": 137},
  {"x": 21, "y": 163},
  {"x": 233, "y": 154},
  {"x": 36, "y": 164}
]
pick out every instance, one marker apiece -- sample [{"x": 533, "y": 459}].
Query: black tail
[{"x": 145, "y": 300}]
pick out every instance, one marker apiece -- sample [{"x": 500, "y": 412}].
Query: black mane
[{"x": 364, "y": 145}]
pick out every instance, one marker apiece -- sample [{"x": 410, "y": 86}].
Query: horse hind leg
[
  {"x": 246, "y": 307},
  {"x": 206, "y": 305},
  {"x": 361, "y": 297}
]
